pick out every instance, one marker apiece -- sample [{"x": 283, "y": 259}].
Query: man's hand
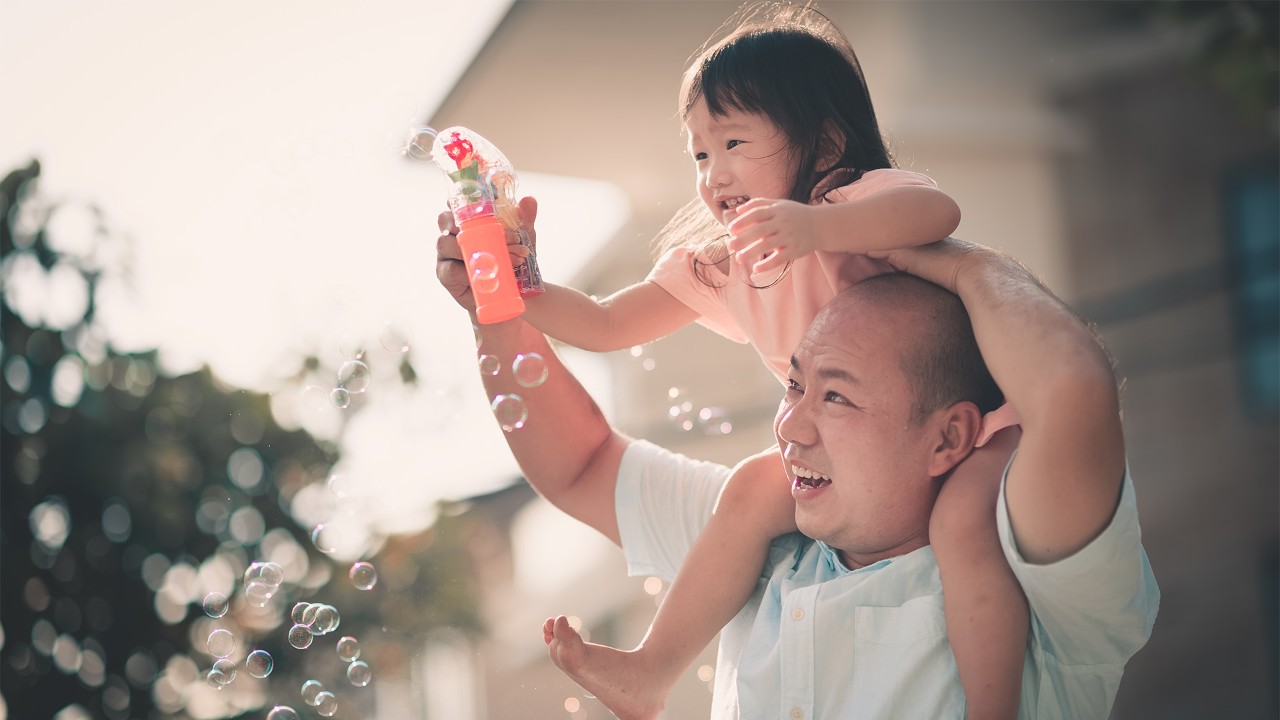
[
  {"x": 450, "y": 269},
  {"x": 781, "y": 230}
]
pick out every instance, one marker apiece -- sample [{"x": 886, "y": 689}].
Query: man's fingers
[
  {"x": 445, "y": 222},
  {"x": 447, "y": 247}
]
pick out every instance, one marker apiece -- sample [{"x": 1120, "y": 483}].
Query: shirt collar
[{"x": 833, "y": 562}]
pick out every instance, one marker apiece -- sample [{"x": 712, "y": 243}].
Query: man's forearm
[{"x": 566, "y": 448}]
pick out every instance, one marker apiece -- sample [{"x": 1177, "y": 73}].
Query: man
[{"x": 850, "y": 623}]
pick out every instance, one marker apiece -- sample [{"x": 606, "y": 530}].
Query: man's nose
[{"x": 795, "y": 426}]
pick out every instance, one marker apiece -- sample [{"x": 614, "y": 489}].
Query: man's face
[{"x": 858, "y": 465}]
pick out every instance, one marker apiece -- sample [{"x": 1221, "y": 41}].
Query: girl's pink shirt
[{"x": 774, "y": 314}]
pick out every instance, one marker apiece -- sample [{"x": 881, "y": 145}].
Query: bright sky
[{"x": 250, "y": 153}]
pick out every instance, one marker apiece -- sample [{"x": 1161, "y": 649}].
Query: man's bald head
[{"x": 940, "y": 355}]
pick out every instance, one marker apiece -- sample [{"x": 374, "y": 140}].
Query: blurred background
[{"x": 233, "y": 391}]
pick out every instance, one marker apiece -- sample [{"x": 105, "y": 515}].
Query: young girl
[{"x": 791, "y": 163}]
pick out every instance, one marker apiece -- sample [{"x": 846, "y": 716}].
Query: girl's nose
[{"x": 717, "y": 175}]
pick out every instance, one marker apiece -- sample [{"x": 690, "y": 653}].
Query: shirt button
[
  {"x": 797, "y": 713},
  {"x": 798, "y": 614}
]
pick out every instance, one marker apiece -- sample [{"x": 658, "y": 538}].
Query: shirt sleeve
[
  {"x": 874, "y": 181},
  {"x": 674, "y": 272},
  {"x": 1097, "y": 606},
  {"x": 662, "y": 502}
]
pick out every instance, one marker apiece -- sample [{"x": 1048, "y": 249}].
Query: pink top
[{"x": 773, "y": 316}]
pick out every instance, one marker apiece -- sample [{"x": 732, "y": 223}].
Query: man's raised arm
[
  {"x": 567, "y": 450},
  {"x": 1064, "y": 484}
]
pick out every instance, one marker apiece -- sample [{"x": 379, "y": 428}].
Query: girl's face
[{"x": 738, "y": 156}]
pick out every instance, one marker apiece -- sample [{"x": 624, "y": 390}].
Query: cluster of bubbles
[
  {"x": 311, "y": 620},
  {"x": 681, "y": 413},
  {"x": 647, "y": 362},
  {"x": 529, "y": 371},
  {"x": 262, "y": 581},
  {"x": 353, "y": 379},
  {"x": 358, "y": 671}
]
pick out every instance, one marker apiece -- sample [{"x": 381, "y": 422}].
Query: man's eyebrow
[{"x": 828, "y": 373}]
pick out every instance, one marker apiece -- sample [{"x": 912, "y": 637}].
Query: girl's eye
[
  {"x": 732, "y": 144},
  {"x": 699, "y": 156}
]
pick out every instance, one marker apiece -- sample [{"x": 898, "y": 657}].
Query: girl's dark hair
[{"x": 792, "y": 65}]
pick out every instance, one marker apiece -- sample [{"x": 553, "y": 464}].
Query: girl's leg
[
  {"x": 986, "y": 612},
  {"x": 713, "y": 583}
]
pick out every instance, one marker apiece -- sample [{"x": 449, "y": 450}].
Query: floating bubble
[
  {"x": 418, "y": 146},
  {"x": 258, "y": 592},
  {"x": 314, "y": 399},
  {"x": 348, "y": 648},
  {"x": 327, "y": 620},
  {"x": 259, "y": 663},
  {"x": 309, "y": 614},
  {"x": 350, "y": 347},
  {"x": 325, "y": 538},
  {"x": 529, "y": 369},
  {"x": 310, "y": 690},
  {"x": 216, "y": 604},
  {"x": 483, "y": 266},
  {"x": 393, "y": 340},
  {"x": 326, "y": 703},
  {"x": 223, "y": 672},
  {"x": 484, "y": 285},
  {"x": 283, "y": 712},
  {"x": 714, "y": 421},
  {"x": 490, "y": 364},
  {"x": 354, "y": 376},
  {"x": 268, "y": 573},
  {"x": 363, "y": 575},
  {"x": 339, "y": 485},
  {"x": 340, "y": 398},
  {"x": 221, "y": 642},
  {"x": 298, "y": 611},
  {"x": 300, "y": 637},
  {"x": 359, "y": 673},
  {"x": 510, "y": 412}
]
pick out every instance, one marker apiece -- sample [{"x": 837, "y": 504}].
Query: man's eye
[
  {"x": 793, "y": 386},
  {"x": 836, "y": 397}
]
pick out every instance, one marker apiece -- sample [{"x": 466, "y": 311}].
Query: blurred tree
[{"x": 125, "y": 495}]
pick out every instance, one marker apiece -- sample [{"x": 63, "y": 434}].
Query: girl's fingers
[{"x": 775, "y": 261}]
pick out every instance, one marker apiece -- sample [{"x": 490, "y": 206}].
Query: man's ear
[
  {"x": 956, "y": 429},
  {"x": 832, "y": 148}
]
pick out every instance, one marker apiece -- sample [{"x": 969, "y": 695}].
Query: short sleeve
[
  {"x": 874, "y": 181},
  {"x": 662, "y": 502},
  {"x": 1097, "y": 606},
  {"x": 674, "y": 272}
]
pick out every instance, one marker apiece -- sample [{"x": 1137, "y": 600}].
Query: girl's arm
[
  {"x": 632, "y": 316},
  {"x": 893, "y": 218}
]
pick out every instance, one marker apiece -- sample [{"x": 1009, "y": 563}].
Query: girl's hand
[
  {"x": 528, "y": 208},
  {"x": 938, "y": 262},
  {"x": 781, "y": 230}
]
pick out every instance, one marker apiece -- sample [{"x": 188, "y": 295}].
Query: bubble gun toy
[{"x": 484, "y": 206}]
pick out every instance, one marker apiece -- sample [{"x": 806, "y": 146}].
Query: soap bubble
[
  {"x": 221, "y": 642},
  {"x": 510, "y": 412},
  {"x": 353, "y": 376},
  {"x": 268, "y": 572},
  {"x": 418, "y": 146},
  {"x": 310, "y": 690},
  {"x": 325, "y": 538},
  {"x": 348, "y": 649},
  {"x": 313, "y": 399},
  {"x": 300, "y": 637},
  {"x": 258, "y": 593},
  {"x": 363, "y": 575},
  {"x": 283, "y": 712},
  {"x": 529, "y": 369},
  {"x": 393, "y": 340},
  {"x": 483, "y": 266},
  {"x": 223, "y": 673},
  {"x": 359, "y": 673},
  {"x": 215, "y": 604},
  {"x": 259, "y": 663},
  {"x": 490, "y": 364},
  {"x": 327, "y": 620},
  {"x": 299, "y": 610},
  {"x": 326, "y": 703},
  {"x": 340, "y": 398},
  {"x": 339, "y": 485},
  {"x": 484, "y": 284}
]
